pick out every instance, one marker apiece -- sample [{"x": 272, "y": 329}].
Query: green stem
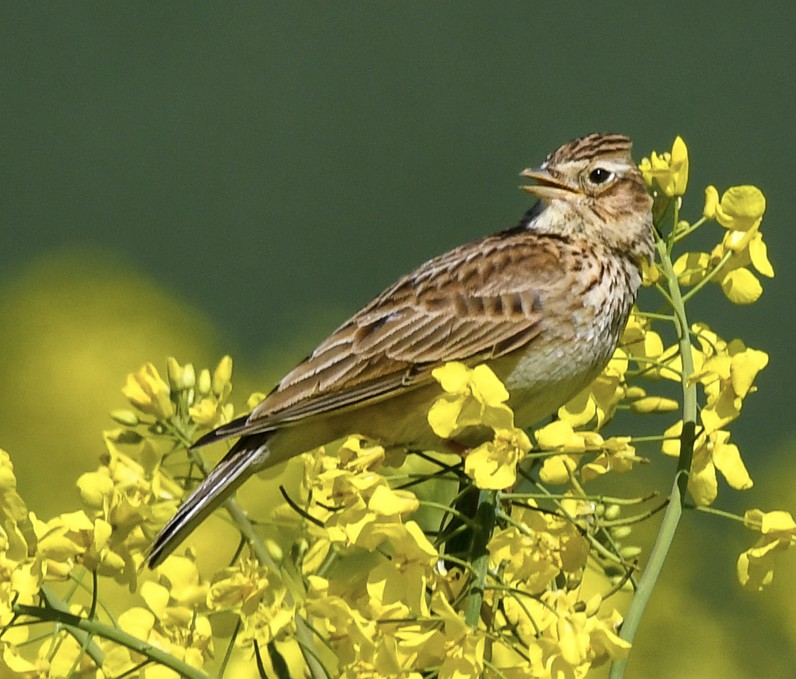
[
  {"x": 679, "y": 488},
  {"x": 709, "y": 277},
  {"x": 83, "y": 628},
  {"x": 82, "y": 638},
  {"x": 485, "y": 515},
  {"x": 685, "y": 232},
  {"x": 717, "y": 512}
]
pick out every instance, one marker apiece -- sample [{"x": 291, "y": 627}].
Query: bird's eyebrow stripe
[{"x": 613, "y": 165}]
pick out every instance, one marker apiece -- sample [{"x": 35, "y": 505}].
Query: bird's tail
[{"x": 231, "y": 472}]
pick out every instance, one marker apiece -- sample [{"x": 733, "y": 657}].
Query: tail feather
[{"x": 228, "y": 475}]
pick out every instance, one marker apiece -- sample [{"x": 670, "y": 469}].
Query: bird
[{"x": 543, "y": 304}]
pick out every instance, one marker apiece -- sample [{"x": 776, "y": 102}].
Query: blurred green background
[{"x": 199, "y": 179}]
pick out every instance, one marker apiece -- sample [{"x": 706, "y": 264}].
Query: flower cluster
[
  {"x": 477, "y": 398},
  {"x": 398, "y": 608},
  {"x": 668, "y": 170},
  {"x": 491, "y": 556},
  {"x": 125, "y": 501}
]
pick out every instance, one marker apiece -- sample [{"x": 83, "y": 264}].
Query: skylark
[{"x": 543, "y": 304}]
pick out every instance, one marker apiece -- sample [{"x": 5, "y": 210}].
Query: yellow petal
[
  {"x": 94, "y": 488},
  {"x": 691, "y": 267},
  {"x": 741, "y": 207},
  {"x": 443, "y": 415},
  {"x": 679, "y": 166},
  {"x": 558, "y": 469},
  {"x": 650, "y": 273},
  {"x": 156, "y": 597},
  {"x": 671, "y": 443},
  {"x": 453, "y": 377},
  {"x": 137, "y": 621},
  {"x": 744, "y": 367},
  {"x": 741, "y": 286},
  {"x": 555, "y": 435},
  {"x": 134, "y": 393},
  {"x": 488, "y": 387},
  {"x": 205, "y": 382},
  {"x": 711, "y": 202},
  {"x": 758, "y": 253},
  {"x": 777, "y": 522},
  {"x": 754, "y": 574},
  {"x": 204, "y": 413},
  {"x": 389, "y": 502},
  {"x": 727, "y": 459},
  {"x": 738, "y": 242},
  {"x": 702, "y": 483},
  {"x": 579, "y": 410}
]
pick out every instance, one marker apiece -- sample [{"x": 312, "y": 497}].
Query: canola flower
[{"x": 377, "y": 566}]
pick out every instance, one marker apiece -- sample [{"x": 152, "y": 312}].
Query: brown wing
[{"x": 479, "y": 301}]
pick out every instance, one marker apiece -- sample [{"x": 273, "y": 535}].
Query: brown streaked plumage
[{"x": 543, "y": 304}]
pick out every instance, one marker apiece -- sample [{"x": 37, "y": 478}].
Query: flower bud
[
  {"x": 274, "y": 550},
  {"x": 188, "y": 376},
  {"x": 205, "y": 383},
  {"x": 630, "y": 552},
  {"x": 126, "y": 418},
  {"x": 222, "y": 375},
  {"x": 711, "y": 202},
  {"x": 654, "y": 404},
  {"x": 254, "y": 400},
  {"x": 635, "y": 393},
  {"x": 621, "y": 532},
  {"x": 174, "y": 372}
]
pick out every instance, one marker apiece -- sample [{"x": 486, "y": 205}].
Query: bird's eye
[{"x": 599, "y": 175}]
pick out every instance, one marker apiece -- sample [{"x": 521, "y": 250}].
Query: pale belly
[{"x": 539, "y": 381}]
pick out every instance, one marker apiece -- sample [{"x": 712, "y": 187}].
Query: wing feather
[{"x": 477, "y": 302}]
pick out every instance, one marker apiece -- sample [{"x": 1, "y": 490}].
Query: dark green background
[
  {"x": 275, "y": 165},
  {"x": 270, "y": 161}
]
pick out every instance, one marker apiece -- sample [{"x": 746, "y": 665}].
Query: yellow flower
[
  {"x": 712, "y": 451},
  {"x": 692, "y": 267},
  {"x": 758, "y": 254},
  {"x": 243, "y": 588},
  {"x": 399, "y": 583},
  {"x": 618, "y": 456},
  {"x": 493, "y": 465},
  {"x": 351, "y": 634},
  {"x": 560, "y": 436},
  {"x": 740, "y": 249},
  {"x": 650, "y": 273},
  {"x": 149, "y": 393},
  {"x": 755, "y": 565},
  {"x": 473, "y": 397},
  {"x": 204, "y": 413},
  {"x": 668, "y": 170},
  {"x": 741, "y": 208},
  {"x": 575, "y": 638},
  {"x": 532, "y": 556},
  {"x": 727, "y": 374}
]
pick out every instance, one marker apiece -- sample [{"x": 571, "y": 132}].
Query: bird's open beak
[{"x": 547, "y": 186}]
